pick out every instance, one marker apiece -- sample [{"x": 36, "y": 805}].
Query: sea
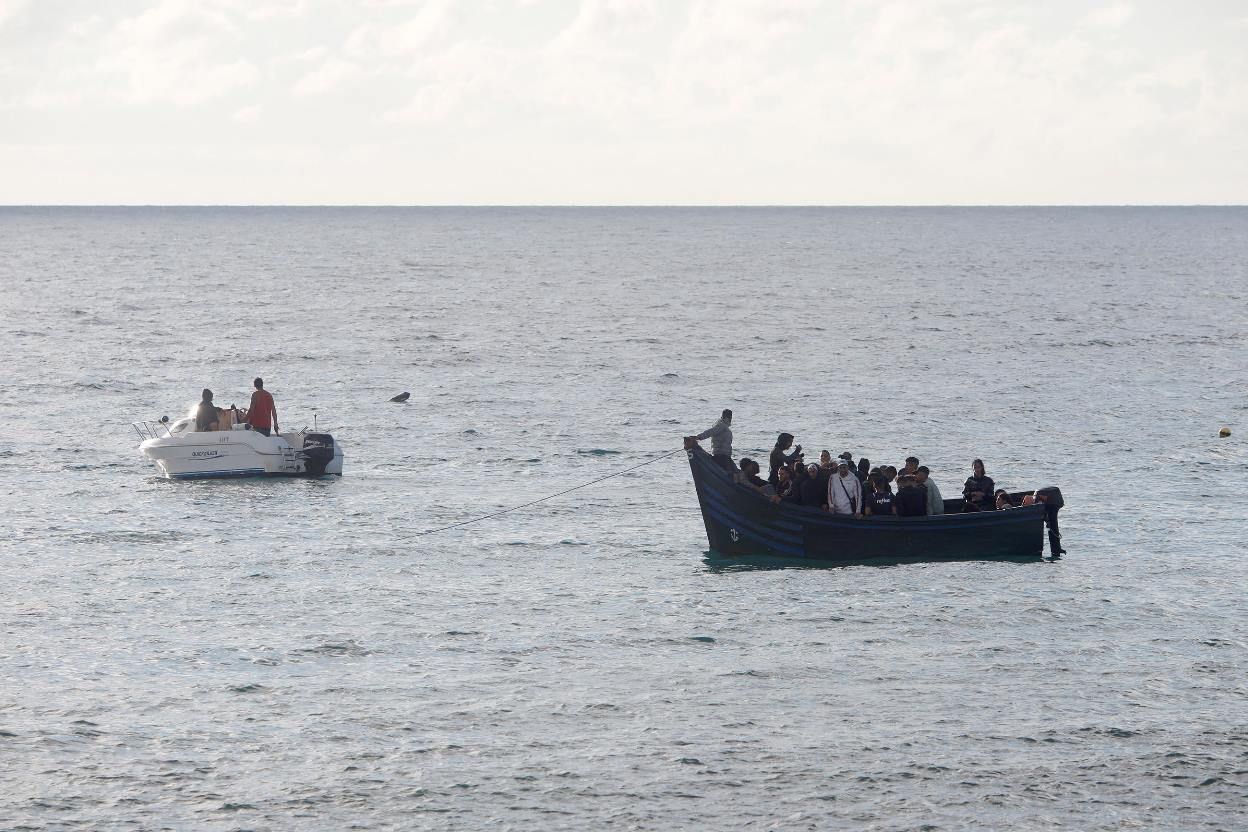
[{"x": 324, "y": 654}]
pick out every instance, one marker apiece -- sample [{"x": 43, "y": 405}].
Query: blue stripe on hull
[{"x": 217, "y": 475}]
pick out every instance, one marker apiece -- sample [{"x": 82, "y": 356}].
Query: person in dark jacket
[
  {"x": 977, "y": 494},
  {"x": 911, "y": 499},
  {"x": 814, "y": 490},
  {"x": 878, "y": 501},
  {"x": 864, "y": 468},
  {"x": 780, "y": 460},
  {"x": 206, "y": 417},
  {"x": 799, "y": 480}
]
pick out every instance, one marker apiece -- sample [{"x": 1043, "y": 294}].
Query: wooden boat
[{"x": 741, "y": 521}]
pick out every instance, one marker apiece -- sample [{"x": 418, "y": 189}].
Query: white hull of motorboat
[{"x": 181, "y": 453}]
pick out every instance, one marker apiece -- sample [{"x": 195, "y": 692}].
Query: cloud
[
  {"x": 403, "y": 37},
  {"x": 247, "y": 115},
  {"x": 10, "y": 9},
  {"x": 177, "y": 51},
  {"x": 1110, "y": 17},
  {"x": 328, "y": 77}
]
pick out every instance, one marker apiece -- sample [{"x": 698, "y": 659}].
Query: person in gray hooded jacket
[{"x": 720, "y": 435}]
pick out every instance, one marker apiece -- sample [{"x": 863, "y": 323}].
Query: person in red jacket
[{"x": 262, "y": 415}]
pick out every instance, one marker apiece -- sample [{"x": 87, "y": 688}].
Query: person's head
[
  {"x": 259, "y": 382},
  {"x": 978, "y": 467},
  {"x": 906, "y": 480},
  {"x": 921, "y": 474},
  {"x": 799, "y": 472},
  {"x": 912, "y": 462},
  {"x": 890, "y": 473},
  {"x": 207, "y": 395},
  {"x": 1003, "y": 499},
  {"x": 874, "y": 482},
  {"x": 745, "y": 464},
  {"x": 864, "y": 466},
  {"x": 782, "y": 473},
  {"x": 842, "y": 468},
  {"x": 825, "y": 458},
  {"x": 726, "y": 415},
  {"x": 812, "y": 470},
  {"x": 784, "y": 441}
]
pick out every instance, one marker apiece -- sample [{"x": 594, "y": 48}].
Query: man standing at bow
[{"x": 720, "y": 435}]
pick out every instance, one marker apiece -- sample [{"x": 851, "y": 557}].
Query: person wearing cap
[
  {"x": 206, "y": 417},
  {"x": 844, "y": 491},
  {"x": 720, "y": 435},
  {"x": 935, "y": 502},
  {"x": 911, "y": 500}
]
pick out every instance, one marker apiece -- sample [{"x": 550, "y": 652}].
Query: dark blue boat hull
[{"x": 740, "y": 521}]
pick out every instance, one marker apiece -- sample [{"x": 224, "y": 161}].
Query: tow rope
[{"x": 549, "y": 497}]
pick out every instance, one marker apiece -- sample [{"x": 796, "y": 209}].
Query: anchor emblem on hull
[{"x": 736, "y": 538}]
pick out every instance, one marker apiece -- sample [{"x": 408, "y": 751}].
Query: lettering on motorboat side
[{"x": 204, "y": 453}]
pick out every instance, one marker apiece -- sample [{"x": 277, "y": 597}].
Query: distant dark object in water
[
  {"x": 741, "y": 521},
  {"x": 402, "y": 397}
]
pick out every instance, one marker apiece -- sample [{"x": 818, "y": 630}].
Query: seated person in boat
[
  {"x": 798, "y": 475},
  {"x": 826, "y": 466},
  {"x": 1003, "y": 500},
  {"x": 844, "y": 491},
  {"x": 911, "y": 499},
  {"x": 977, "y": 493},
  {"x": 878, "y": 502},
  {"x": 814, "y": 490},
  {"x": 206, "y": 416},
  {"x": 784, "y": 483},
  {"x": 747, "y": 475},
  {"x": 935, "y": 502}
]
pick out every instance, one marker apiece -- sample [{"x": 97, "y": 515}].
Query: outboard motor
[
  {"x": 1052, "y": 498},
  {"x": 317, "y": 452}
]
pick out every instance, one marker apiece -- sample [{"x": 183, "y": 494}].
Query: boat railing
[{"x": 152, "y": 430}]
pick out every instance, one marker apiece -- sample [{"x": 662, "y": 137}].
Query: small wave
[
  {"x": 251, "y": 688},
  {"x": 599, "y": 452},
  {"x": 348, "y": 647}
]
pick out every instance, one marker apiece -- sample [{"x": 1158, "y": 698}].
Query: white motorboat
[{"x": 182, "y": 453}]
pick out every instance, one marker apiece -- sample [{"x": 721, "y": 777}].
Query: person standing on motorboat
[
  {"x": 262, "y": 414},
  {"x": 206, "y": 417}
]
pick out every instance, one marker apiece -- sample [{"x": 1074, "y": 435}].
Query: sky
[{"x": 623, "y": 102}]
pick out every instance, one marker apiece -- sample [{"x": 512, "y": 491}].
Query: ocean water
[{"x": 300, "y": 655}]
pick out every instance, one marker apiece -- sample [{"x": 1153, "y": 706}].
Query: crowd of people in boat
[{"x": 843, "y": 486}]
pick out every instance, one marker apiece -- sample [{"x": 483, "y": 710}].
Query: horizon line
[{"x": 621, "y": 205}]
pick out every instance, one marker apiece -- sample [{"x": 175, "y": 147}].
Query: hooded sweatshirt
[{"x": 844, "y": 494}]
